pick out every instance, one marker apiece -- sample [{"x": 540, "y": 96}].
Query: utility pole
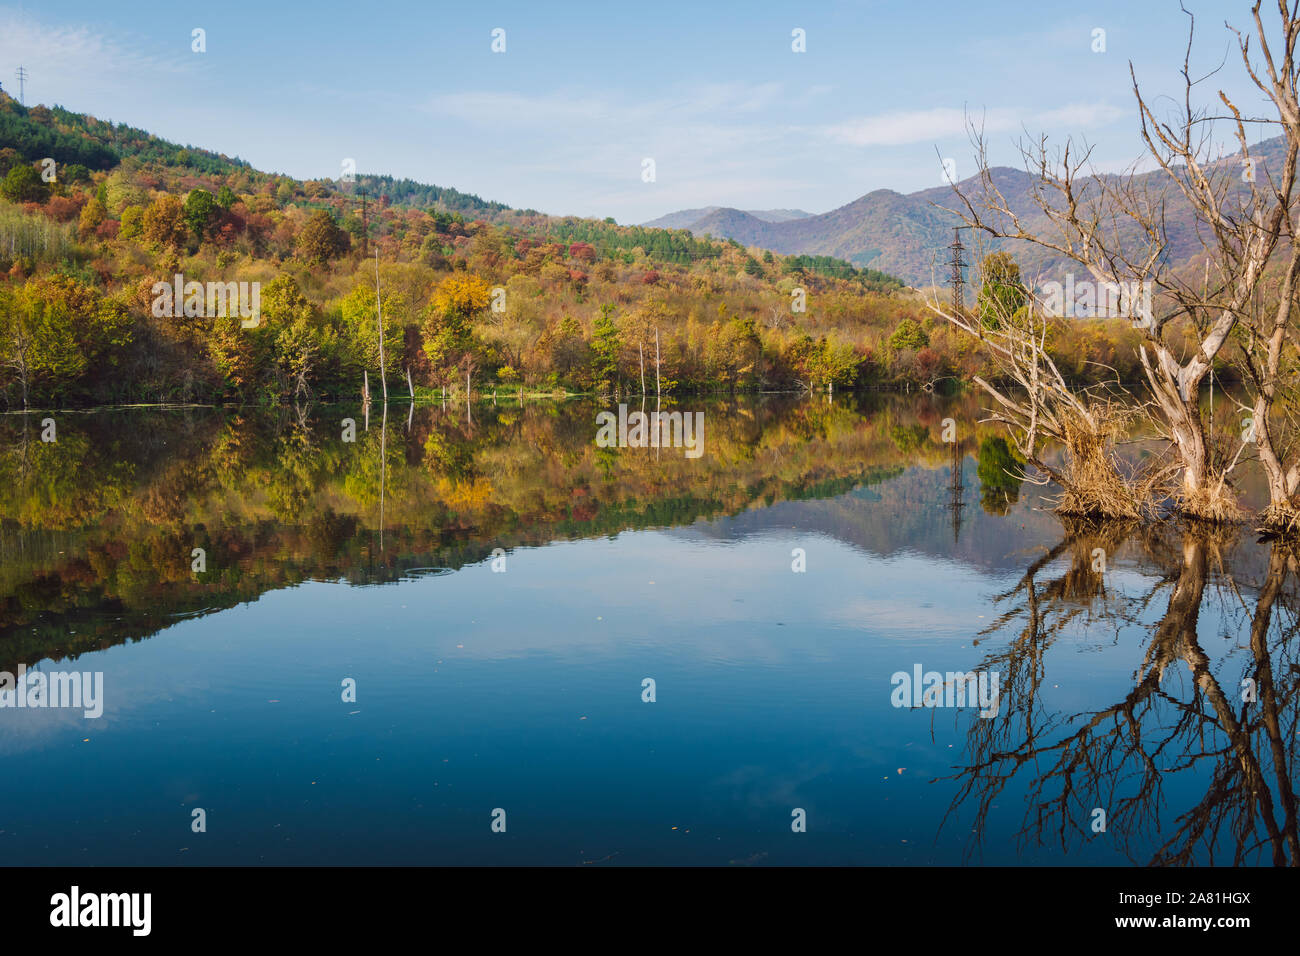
[
  {"x": 365, "y": 224},
  {"x": 22, "y": 80}
]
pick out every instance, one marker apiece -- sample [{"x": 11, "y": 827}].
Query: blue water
[{"x": 522, "y": 690}]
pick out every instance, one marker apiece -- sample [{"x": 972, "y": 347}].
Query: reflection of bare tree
[
  {"x": 1121, "y": 758},
  {"x": 1241, "y": 799}
]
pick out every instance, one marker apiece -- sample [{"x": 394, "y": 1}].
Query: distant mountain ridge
[
  {"x": 907, "y": 235},
  {"x": 688, "y": 218}
]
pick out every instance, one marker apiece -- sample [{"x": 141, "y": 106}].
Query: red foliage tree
[{"x": 64, "y": 208}]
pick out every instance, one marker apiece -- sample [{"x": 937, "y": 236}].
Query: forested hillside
[{"x": 472, "y": 289}]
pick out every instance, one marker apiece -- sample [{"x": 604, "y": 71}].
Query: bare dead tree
[
  {"x": 1266, "y": 357},
  {"x": 1269, "y": 330},
  {"x": 1116, "y": 229},
  {"x": 1039, "y": 407}
]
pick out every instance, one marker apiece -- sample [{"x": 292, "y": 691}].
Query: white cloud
[
  {"x": 900, "y": 127},
  {"x": 905, "y": 127},
  {"x": 66, "y": 61},
  {"x": 1079, "y": 116},
  {"x": 709, "y": 141},
  {"x": 512, "y": 109}
]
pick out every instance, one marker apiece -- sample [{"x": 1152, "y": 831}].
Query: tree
[
  {"x": 15, "y": 341},
  {"x": 200, "y": 210},
  {"x": 301, "y": 339},
  {"x": 163, "y": 224},
  {"x": 92, "y": 214},
  {"x": 605, "y": 346},
  {"x": 1116, "y": 229},
  {"x": 731, "y": 352},
  {"x": 461, "y": 296},
  {"x": 234, "y": 351},
  {"x": 908, "y": 335},
  {"x": 833, "y": 364},
  {"x": 24, "y": 184},
  {"x": 39, "y": 337},
  {"x": 566, "y": 348},
  {"x": 321, "y": 239},
  {"x": 1087, "y": 423},
  {"x": 1002, "y": 292},
  {"x": 360, "y": 330},
  {"x": 132, "y": 222},
  {"x": 448, "y": 334},
  {"x": 77, "y": 333}
]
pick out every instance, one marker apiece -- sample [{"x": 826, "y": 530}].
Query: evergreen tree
[{"x": 605, "y": 345}]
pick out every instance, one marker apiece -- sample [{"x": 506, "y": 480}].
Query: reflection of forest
[
  {"x": 97, "y": 532},
  {"x": 1220, "y": 723},
  {"x": 97, "y": 529}
]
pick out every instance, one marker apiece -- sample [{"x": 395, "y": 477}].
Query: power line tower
[
  {"x": 22, "y": 82},
  {"x": 958, "y": 264},
  {"x": 365, "y": 226}
]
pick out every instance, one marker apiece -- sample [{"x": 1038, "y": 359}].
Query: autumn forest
[{"x": 473, "y": 292}]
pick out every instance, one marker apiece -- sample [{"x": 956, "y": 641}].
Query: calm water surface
[{"x": 513, "y": 678}]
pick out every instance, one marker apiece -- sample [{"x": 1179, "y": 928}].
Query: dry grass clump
[
  {"x": 1093, "y": 481},
  {"x": 1213, "y": 502},
  {"x": 1280, "y": 521}
]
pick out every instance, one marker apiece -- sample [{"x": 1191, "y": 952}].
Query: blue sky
[{"x": 563, "y": 119}]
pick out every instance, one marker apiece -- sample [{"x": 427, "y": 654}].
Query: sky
[{"x": 564, "y": 119}]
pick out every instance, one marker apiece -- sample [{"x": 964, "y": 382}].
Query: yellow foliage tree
[{"x": 461, "y": 295}]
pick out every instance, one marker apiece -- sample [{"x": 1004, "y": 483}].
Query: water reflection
[
  {"x": 98, "y": 527},
  {"x": 1221, "y": 719},
  {"x": 1122, "y": 648}
]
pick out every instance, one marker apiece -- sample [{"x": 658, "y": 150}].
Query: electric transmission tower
[
  {"x": 957, "y": 263},
  {"x": 22, "y": 82}
]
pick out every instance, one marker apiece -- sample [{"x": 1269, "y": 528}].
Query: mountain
[
  {"x": 886, "y": 230},
  {"x": 778, "y": 215},
  {"x": 907, "y": 235},
  {"x": 690, "y": 218}
]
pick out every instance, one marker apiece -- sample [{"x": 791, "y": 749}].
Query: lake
[{"x": 482, "y": 636}]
